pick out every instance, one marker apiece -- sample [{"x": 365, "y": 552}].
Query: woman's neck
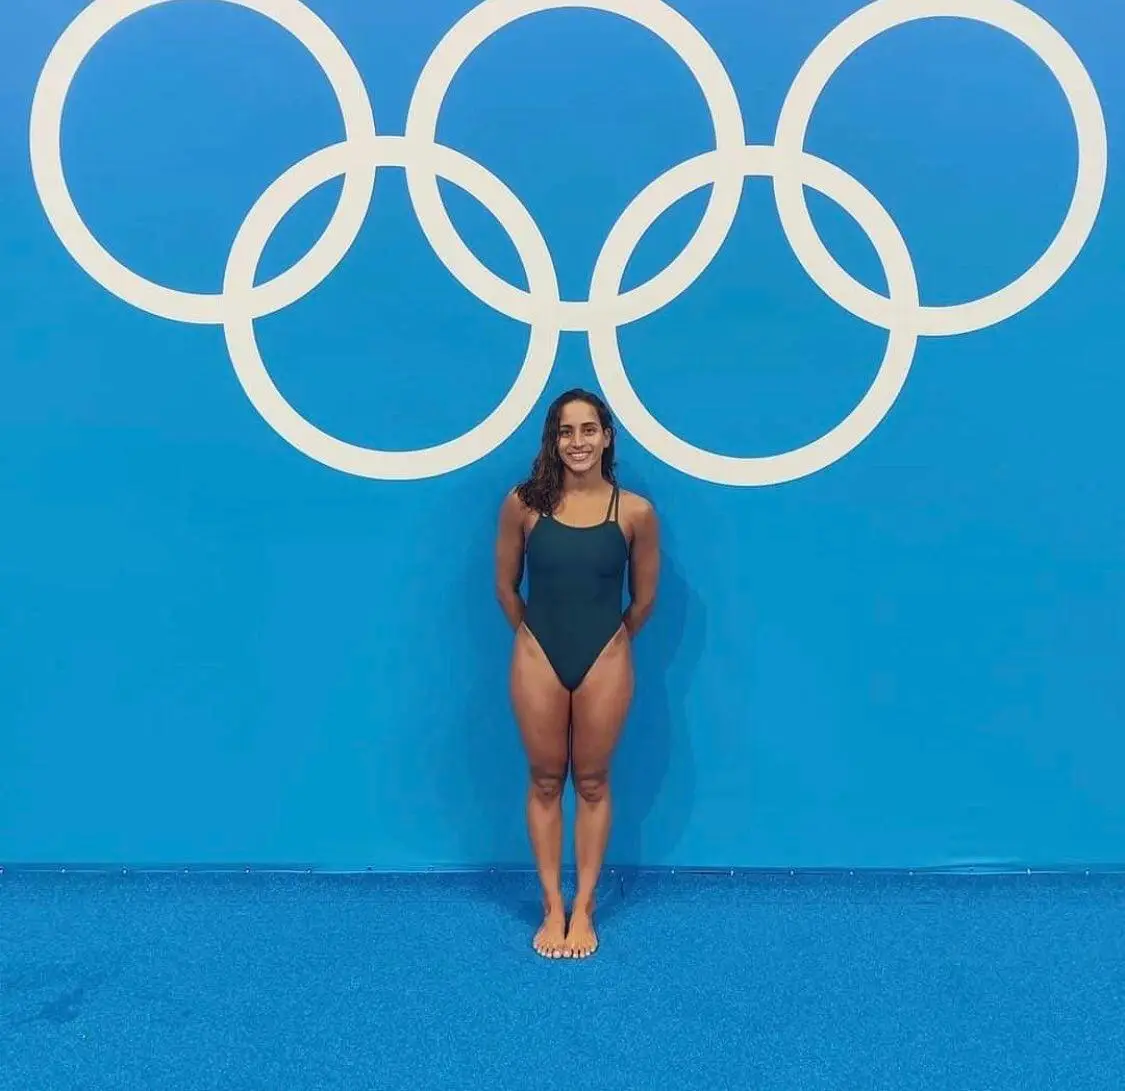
[{"x": 590, "y": 482}]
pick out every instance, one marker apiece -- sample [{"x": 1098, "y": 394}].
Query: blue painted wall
[{"x": 216, "y": 648}]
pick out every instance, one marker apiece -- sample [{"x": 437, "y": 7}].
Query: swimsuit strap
[{"x": 614, "y": 503}]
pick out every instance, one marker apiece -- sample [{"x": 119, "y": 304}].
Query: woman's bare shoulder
[
  {"x": 514, "y": 511},
  {"x": 636, "y": 506},
  {"x": 636, "y": 515}
]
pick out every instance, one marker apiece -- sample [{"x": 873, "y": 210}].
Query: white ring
[
  {"x": 72, "y": 48},
  {"x": 760, "y": 161},
  {"x": 246, "y": 253},
  {"x": 1055, "y": 52},
  {"x": 726, "y": 117}
]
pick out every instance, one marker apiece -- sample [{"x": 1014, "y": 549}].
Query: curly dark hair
[{"x": 542, "y": 491}]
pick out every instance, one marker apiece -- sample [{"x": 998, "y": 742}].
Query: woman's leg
[
  {"x": 600, "y": 705},
  {"x": 542, "y": 708}
]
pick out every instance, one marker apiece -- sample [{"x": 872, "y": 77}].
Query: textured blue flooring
[{"x": 749, "y": 983}]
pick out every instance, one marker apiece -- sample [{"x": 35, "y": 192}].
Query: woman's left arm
[{"x": 644, "y": 568}]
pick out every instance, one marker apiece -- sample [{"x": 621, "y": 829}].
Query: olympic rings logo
[{"x": 357, "y": 158}]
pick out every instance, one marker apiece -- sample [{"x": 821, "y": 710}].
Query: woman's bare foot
[
  {"x": 581, "y": 939},
  {"x": 550, "y": 940}
]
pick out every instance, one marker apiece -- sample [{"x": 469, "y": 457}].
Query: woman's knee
[
  {"x": 593, "y": 785},
  {"x": 547, "y": 783}
]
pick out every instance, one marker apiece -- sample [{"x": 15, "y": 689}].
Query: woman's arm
[
  {"x": 509, "y": 560},
  {"x": 644, "y": 568}
]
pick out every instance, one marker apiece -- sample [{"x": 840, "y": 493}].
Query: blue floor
[{"x": 747, "y": 983}]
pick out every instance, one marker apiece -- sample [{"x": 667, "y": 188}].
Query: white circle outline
[
  {"x": 850, "y": 195},
  {"x": 292, "y": 187},
  {"x": 455, "y": 48},
  {"x": 59, "y": 71},
  {"x": 1093, "y": 155}
]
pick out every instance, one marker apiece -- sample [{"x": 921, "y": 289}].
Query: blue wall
[{"x": 223, "y": 644}]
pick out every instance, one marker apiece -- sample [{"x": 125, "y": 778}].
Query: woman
[{"x": 572, "y": 671}]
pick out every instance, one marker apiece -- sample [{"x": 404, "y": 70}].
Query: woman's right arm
[{"x": 509, "y": 559}]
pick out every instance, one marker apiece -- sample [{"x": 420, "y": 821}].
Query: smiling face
[{"x": 582, "y": 438}]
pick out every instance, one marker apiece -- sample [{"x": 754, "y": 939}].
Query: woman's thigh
[
  {"x": 599, "y": 708},
  {"x": 542, "y": 706}
]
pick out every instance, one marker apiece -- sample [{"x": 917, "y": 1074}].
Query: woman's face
[{"x": 582, "y": 439}]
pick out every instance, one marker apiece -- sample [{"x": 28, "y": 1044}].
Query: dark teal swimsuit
[{"x": 575, "y": 579}]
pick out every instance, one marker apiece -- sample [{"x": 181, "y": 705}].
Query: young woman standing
[{"x": 578, "y": 535}]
